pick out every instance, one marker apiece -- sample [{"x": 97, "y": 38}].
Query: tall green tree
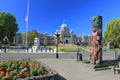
[
  {"x": 8, "y": 26},
  {"x": 112, "y": 33},
  {"x": 31, "y": 35}
]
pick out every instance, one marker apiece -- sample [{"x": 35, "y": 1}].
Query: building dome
[
  {"x": 64, "y": 30},
  {"x": 64, "y": 27}
]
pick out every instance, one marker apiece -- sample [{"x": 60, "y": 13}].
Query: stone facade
[
  {"x": 17, "y": 39},
  {"x": 46, "y": 39}
]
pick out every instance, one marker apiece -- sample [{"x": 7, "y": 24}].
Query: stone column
[{"x": 96, "y": 51}]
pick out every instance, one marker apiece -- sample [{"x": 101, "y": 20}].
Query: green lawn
[{"x": 69, "y": 48}]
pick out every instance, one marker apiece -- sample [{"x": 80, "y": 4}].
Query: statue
[
  {"x": 96, "y": 51},
  {"x": 36, "y": 44}
]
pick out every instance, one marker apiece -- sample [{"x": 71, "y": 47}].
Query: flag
[{"x": 26, "y": 19}]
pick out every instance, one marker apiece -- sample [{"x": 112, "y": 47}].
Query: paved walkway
[{"x": 70, "y": 69}]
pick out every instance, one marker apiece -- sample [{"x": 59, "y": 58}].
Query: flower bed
[{"x": 17, "y": 69}]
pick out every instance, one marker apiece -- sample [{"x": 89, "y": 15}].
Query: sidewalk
[{"x": 70, "y": 69}]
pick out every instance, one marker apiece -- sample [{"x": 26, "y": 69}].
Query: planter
[
  {"x": 51, "y": 75},
  {"x": 26, "y": 70}
]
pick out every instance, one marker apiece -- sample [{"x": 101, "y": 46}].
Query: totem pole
[{"x": 96, "y": 51}]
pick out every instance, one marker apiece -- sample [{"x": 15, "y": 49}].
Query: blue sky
[{"x": 48, "y": 15}]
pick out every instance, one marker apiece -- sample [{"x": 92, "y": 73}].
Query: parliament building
[{"x": 67, "y": 37}]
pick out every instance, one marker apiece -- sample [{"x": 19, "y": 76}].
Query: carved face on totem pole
[{"x": 96, "y": 38}]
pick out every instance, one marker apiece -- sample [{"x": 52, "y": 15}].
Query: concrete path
[{"x": 70, "y": 69}]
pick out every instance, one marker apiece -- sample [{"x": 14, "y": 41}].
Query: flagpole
[{"x": 27, "y": 24}]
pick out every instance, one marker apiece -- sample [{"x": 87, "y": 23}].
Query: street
[
  {"x": 67, "y": 64},
  {"x": 66, "y": 55}
]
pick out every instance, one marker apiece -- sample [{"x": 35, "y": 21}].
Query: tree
[
  {"x": 112, "y": 33},
  {"x": 31, "y": 35},
  {"x": 8, "y": 26}
]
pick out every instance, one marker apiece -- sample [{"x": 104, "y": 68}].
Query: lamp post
[
  {"x": 57, "y": 34},
  {"x": 78, "y": 44}
]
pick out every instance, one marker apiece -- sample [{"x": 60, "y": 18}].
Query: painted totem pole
[{"x": 96, "y": 51}]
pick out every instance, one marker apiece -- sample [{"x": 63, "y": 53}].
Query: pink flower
[{"x": 6, "y": 77}]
